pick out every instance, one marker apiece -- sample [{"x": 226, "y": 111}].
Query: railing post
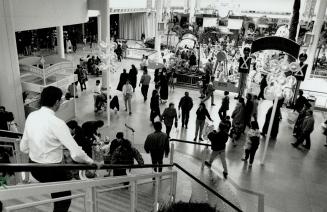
[
  {"x": 156, "y": 194},
  {"x": 172, "y": 151},
  {"x": 91, "y": 203},
  {"x": 133, "y": 196},
  {"x": 173, "y": 187}
]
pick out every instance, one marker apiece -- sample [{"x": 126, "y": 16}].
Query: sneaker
[
  {"x": 207, "y": 163},
  {"x": 225, "y": 175},
  {"x": 130, "y": 113},
  {"x": 201, "y": 139},
  {"x": 186, "y": 128},
  {"x": 325, "y": 145},
  {"x": 194, "y": 139},
  {"x": 294, "y": 145},
  {"x": 244, "y": 159},
  {"x": 250, "y": 165},
  {"x": 126, "y": 109}
]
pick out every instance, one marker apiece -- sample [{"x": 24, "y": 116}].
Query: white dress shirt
[{"x": 44, "y": 137}]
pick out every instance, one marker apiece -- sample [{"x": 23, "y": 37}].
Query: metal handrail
[
  {"x": 33, "y": 166},
  {"x": 190, "y": 142}
]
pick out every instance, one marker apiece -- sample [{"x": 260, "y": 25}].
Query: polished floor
[{"x": 290, "y": 180}]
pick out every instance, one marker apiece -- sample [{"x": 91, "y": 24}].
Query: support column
[
  {"x": 322, "y": 5},
  {"x": 105, "y": 36},
  {"x": 191, "y": 4},
  {"x": 60, "y": 42},
  {"x": 157, "y": 43},
  {"x": 99, "y": 28},
  {"x": 9, "y": 69}
]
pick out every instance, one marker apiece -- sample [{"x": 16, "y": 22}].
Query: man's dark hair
[
  {"x": 189, "y": 207},
  {"x": 72, "y": 124},
  {"x": 10, "y": 116},
  {"x": 50, "y": 95},
  {"x": 226, "y": 93},
  {"x": 254, "y": 125},
  {"x": 170, "y": 104},
  {"x": 157, "y": 126},
  {"x": 3, "y": 108},
  {"x": 300, "y": 92},
  {"x": 98, "y": 81},
  {"x": 120, "y": 135}
]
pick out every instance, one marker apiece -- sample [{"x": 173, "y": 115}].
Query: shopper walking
[
  {"x": 128, "y": 93},
  {"x": 201, "y": 115},
  {"x": 145, "y": 82},
  {"x": 164, "y": 86},
  {"x": 277, "y": 118},
  {"x": 300, "y": 102},
  {"x": 43, "y": 138},
  {"x": 248, "y": 110},
  {"x": 254, "y": 113},
  {"x": 157, "y": 144},
  {"x": 122, "y": 80},
  {"x": 263, "y": 85},
  {"x": 132, "y": 76},
  {"x": 224, "y": 106},
  {"x": 306, "y": 129},
  {"x": 210, "y": 93},
  {"x": 244, "y": 68},
  {"x": 238, "y": 120},
  {"x": 169, "y": 116},
  {"x": 125, "y": 154},
  {"x": 185, "y": 104},
  {"x": 300, "y": 119},
  {"x": 218, "y": 144},
  {"x": 252, "y": 142},
  {"x": 154, "y": 106}
]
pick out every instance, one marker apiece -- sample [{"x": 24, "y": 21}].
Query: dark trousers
[
  {"x": 83, "y": 85},
  {"x": 157, "y": 158},
  {"x": 250, "y": 153},
  {"x": 54, "y": 175},
  {"x": 120, "y": 172},
  {"x": 168, "y": 129},
  {"x": 185, "y": 117},
  {"x": 222, "y": 114},
  {"x": 303, "y": 137},
  {"x": 144, "y": 90},
  {"x": 261, "y": 94}
]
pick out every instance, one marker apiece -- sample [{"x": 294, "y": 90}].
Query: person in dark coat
[
  {"x": 132, "y": 76},
  {"x": 201, "y": 115},
  {"x": 224, "y": 106},
  {"x": 277, "y": 118},
  {"x": 300, "y": 102},
  {"x": 248, "y": 111},
  {"x": 154, "y": 106},
  {"x": 125, "y": 154},
  {"x": 307, "y": 128},
  {"x": 192, "y": 59},
  {"x": 3, "y": 118},
  {"x": 263, "y": 85},
  {"x": 119, "y": 52},
  {"x": 164, "y": 85},
  {"x": 186, "y": 104},
  {"x": 90, "y": 130},
  {"x": 299, "y": 120},
  {"x": 122, "y": 80}
]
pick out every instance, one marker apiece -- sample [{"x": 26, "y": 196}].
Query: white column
[
  {"x": 322, "y": 5},
  {"x": 10, "y": 84},
  {"x": 105, "y": 35},
  {"x": 158, "y": 36},
  {"x": 60, "y": 42},
  {"x": 191, "y": 10},
  {"x": 99, "y": 27}
]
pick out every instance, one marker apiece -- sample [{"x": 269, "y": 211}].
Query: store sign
[{"x": 276, "y": 43}]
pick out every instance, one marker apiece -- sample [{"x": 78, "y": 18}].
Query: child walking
[{"x": 252, "y": 142}]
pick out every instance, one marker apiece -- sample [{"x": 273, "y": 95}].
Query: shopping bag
[
  {"x": 208, "y": 128},
  {"x": 292, "y": 117}
]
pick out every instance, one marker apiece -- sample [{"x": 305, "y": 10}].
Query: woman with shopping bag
[{"x": 201, "y": 115}]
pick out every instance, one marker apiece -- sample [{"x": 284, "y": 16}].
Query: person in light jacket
[{"x": 128, "y": 93}]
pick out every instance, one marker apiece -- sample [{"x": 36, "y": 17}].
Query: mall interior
[{"x": 239, "y": 88}]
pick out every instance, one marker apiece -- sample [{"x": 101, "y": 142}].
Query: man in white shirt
[
  {"x": 128, "y": 93},
  {"x": 99, "y": 96},
  {"x": 43, "y": 140},
  {"x": 145, "y": 81}
]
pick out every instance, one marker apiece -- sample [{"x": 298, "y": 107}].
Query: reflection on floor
[{"x": 291, "y": 179}]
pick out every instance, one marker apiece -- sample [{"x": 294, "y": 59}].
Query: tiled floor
[{"x": 291, "y": 179}]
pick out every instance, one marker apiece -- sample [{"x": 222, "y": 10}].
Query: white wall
[{"x": 35, "y": 14}]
